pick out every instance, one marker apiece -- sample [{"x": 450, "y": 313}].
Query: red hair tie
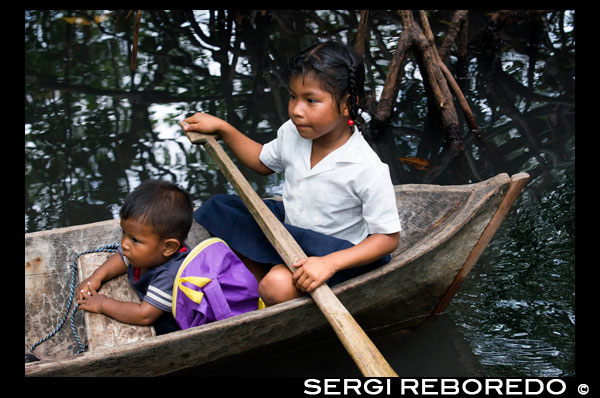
[{"x": 350, "y": 122}]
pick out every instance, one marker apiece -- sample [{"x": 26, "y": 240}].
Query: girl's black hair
[
  {"x": 338, "y": 67},
  {"x": 163, "y": 205}
]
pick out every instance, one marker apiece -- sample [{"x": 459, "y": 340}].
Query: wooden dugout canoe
[{"x": 444, "y": 231}]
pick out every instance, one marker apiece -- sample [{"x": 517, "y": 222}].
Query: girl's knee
[{"x": 276, "y": 286}]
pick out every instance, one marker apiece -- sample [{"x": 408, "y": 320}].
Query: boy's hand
[
  {"x": 86, "y": 287},
  {"x": 91, "y": 301},
  {"x": 311, "y": 273}
]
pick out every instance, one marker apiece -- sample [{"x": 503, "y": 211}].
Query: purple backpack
[{"x": 213, "y": 284}]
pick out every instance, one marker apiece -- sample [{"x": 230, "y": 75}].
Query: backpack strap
[
  {"x": 198, "y": 281},
  {"x": 216, "y": 300},
  {"x": 194, "y": 295},
  {"x": 214, "y": 294}
]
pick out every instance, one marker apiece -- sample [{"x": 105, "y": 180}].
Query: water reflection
[
  {"x": 94, "y": 130},
  {"x": 523, "y": 321}
]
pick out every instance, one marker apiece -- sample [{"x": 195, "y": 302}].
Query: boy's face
[{"x": 142, "y": 247}]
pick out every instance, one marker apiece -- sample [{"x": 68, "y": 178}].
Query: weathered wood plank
[{"x": 103, "y": 331}]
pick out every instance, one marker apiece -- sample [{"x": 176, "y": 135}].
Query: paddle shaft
[{"x": 362, "y": 350}]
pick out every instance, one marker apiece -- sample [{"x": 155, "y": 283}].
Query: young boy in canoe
[
  {"x": 338, "y": 198},
  {"x": 155, "y": 218}
]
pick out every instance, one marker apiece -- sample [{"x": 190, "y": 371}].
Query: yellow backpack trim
[
  {"x": 197, "y": 280},
  {"x": 194, "y": 295},
  {"x": 178, "y": 281}
]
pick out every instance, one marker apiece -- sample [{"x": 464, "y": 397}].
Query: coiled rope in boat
[{"x": 111, "y": 248}]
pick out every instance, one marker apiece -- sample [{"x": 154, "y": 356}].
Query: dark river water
[{"x": 94, "y": 130}]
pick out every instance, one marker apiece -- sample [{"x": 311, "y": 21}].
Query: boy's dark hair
[
  {"x": 162, "y": 205},
  {"x": 338, "y": 67}
]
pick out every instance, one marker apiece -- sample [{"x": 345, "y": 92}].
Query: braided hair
[{"x": 338, "y": 68}]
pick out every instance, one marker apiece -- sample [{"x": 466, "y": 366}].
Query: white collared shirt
[{"x": 348, "y": 194}]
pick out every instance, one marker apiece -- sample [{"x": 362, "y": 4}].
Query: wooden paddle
[{"x": 362, "y": 350}]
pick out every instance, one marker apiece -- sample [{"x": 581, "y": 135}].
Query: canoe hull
[{"x": 441, "y": 224}]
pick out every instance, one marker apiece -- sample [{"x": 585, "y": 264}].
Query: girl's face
[
  {"x": 313, "y": 110},
  {"x": 142, "y": 247}
]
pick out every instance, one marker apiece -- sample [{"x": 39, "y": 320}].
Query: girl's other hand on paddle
[
  {"x": 311, "y": 273},
  {"x": 203, "y": 123}
]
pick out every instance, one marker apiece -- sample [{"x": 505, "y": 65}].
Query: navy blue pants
[{"x": 226, "y": 217}]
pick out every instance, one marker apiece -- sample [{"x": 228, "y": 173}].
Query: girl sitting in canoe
[
  {"x": 156, "y": 218},
  {"x": 338, "y": 198}
]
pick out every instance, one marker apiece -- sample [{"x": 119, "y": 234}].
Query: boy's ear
[{"x": 170, "y": 246}]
